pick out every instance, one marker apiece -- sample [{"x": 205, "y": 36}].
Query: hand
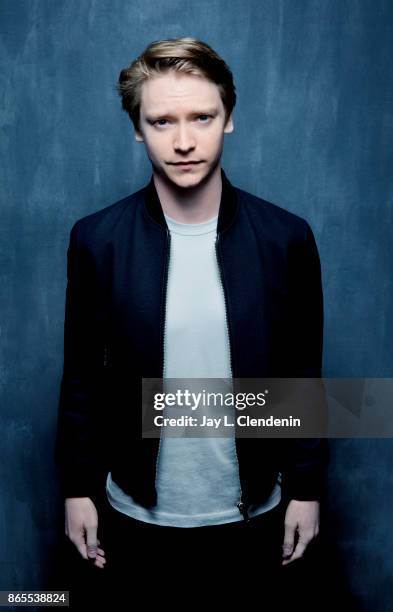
[
  {"x": 81, "y": 522},
  {"x": 302, "y": 516}
]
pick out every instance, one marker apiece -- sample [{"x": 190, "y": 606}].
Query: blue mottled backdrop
[{"x": 313, "y": 133}]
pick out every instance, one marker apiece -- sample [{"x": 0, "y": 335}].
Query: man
[{"x": 189, "y": 277}]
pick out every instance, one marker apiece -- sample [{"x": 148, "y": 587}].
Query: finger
[
  {"x": 298, "y": 552},
  {"x": 79, "y": 542},
  {"x": 99, "y": 561},
  {"x": 101, "y": 552},
  {"x": 100, "y": 566},
  {"x": 289, "y": 540},
  {"x": 91, "y": 542}
]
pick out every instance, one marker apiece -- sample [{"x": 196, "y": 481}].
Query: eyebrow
[{"x": 205, "y": 111}]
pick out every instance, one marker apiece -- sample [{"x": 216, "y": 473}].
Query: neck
[{"x": 190, "y": 205}]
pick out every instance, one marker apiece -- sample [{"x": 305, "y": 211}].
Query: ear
[
  {"x": 229, "y": 125},
  {"x": 138, "y": 135}
]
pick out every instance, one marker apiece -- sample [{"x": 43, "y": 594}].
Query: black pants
[
  {"x": 235, "y": 563},
  {"x": 156, "y": 564}
]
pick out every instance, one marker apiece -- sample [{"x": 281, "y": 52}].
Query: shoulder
[
  {"x": 96, "y": 227},
  {"x": 271, "y": 218}
]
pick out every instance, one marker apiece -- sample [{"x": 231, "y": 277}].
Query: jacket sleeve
[
  {"x": 78, "y": 447},
  {"x": 306, "y": 459}
]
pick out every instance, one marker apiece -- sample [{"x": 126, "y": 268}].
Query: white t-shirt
[{"x": 197, "y": 478}]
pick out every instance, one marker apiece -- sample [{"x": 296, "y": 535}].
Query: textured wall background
[{"x": 313, "y": 133}]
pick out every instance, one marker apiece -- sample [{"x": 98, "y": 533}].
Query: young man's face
[{"x": 182, "y": 120}]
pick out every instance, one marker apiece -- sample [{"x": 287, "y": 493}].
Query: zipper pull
[
  {"x": 105, "y": 356},
  {"x": 243, "y": 510}
]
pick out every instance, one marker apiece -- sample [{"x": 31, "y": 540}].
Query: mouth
[{"x": 185, "y": 164}]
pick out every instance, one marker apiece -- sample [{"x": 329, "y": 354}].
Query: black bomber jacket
[{"x": 117, "y": 264}]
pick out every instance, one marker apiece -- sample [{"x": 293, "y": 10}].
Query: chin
[
  {"x": 187, "y": 180},
  {"x": 183, "y": 180}
]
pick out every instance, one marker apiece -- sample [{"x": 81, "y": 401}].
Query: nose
[{"x": 184, "y": 140}]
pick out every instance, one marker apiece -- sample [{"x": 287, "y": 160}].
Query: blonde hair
[{"x": 187, "y": 55}]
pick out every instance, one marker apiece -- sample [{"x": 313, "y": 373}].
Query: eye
[
  {"x": 204, "y": 118},
  {"x": 160, "y": 122}
]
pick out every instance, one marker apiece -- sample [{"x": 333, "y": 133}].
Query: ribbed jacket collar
[{"x": 226, "y": 214}]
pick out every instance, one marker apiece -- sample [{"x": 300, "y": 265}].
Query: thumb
[
  {"x": 289, "y": 540},
  {"x": 91, "y": 542}
]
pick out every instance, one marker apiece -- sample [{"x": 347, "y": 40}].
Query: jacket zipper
[
  {"x": 163, "y": 322},
  {"x": 242, "y": 506}
]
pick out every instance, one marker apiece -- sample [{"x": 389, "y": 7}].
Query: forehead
[{"x": 178, "y": 91}]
